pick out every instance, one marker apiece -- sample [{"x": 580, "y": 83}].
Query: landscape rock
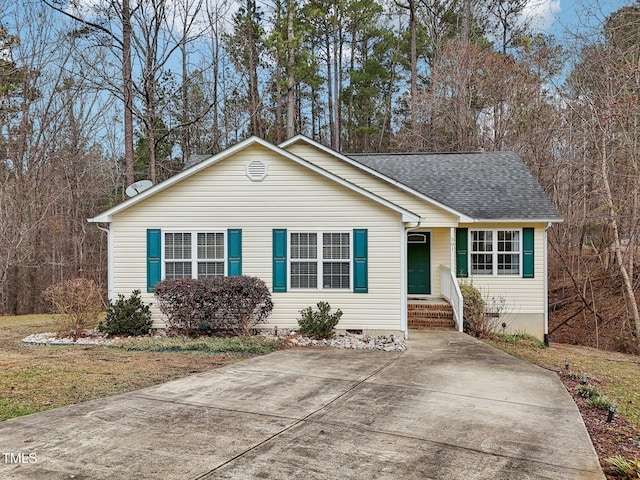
[
  {"x": 343, "y": 340},
  {"x": 90, "y": 337}
]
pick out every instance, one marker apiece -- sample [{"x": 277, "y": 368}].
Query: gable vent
[{"x": 257, "y": 170}]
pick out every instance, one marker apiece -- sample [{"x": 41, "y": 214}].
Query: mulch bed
[{"x": 615, "y": 438}]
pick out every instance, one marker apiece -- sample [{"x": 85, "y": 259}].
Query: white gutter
[{"x": 516, "y": 220}]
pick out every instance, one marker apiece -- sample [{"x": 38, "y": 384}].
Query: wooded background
[{"x": 95, "y": 95}]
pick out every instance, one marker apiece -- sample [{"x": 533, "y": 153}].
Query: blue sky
[
  {"x": 567, "y": 17},
  {"x": 551, "y": 16}
]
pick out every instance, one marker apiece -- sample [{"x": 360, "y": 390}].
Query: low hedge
[{"x": 218, "y": 305}]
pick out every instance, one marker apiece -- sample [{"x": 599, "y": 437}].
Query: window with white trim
[
  {"x": 320, "y": 260},
  {"x": 194, "y": 254},
  {"x": 304, "y": 260},
  {"x": 495, "y": 252}
]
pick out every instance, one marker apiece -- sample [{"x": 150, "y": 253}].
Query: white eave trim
[
  {"x": 462, "y": 218},
  {"x": 515, "y": 220},
  {"x": 407, "y": 216},
  {"x": 102, "y": 218}
]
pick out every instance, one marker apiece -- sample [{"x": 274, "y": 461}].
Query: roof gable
[
  {"x": 377, "y": 174},
  {"x": 407, "y": 216}
]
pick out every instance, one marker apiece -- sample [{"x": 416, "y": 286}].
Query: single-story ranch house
[{"x": 383, "y": 237}]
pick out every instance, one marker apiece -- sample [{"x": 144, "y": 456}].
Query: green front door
[{"x": 419, "y": 263}]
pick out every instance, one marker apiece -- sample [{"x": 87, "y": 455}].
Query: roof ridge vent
[{"x": 257, "y": 170}]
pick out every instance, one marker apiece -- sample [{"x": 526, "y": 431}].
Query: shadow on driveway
[{"x": 450, "y": 407}]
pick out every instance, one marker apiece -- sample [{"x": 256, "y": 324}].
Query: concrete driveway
[{"x": 450, "y": 407}]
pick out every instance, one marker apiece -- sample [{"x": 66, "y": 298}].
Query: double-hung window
[
  {"x": 336, "y": 260},
  {"x": 320, "y": 260},
  {"x": 304, "y": 260},
  {"x": 194, "y": 254},
  {"x": 495, "y": 252}
]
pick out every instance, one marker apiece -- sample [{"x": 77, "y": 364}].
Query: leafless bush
[
  {"x": 484, "y": 314},
  {"x": 79, "y": 302}
]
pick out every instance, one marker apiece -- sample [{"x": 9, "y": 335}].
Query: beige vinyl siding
[
  {"x": 523, "y": 296},
  {"x": 432, "y": 215},
  {"x": 441, "y": 255},
  {"x": 291, "y": 197}
]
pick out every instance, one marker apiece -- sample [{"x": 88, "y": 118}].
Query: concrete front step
[{"x": 427, "y": 315}]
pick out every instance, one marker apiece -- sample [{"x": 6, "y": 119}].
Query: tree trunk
[
  {"x": 279, "y": 117},
  {"x": 127, "y": 92},
  {"x": 215, "y": 127},
  {"x": 337, "y": 95},
  {"x": 254, "y": 95},
  {"x": 465, "y": 30},
  {"x": 629, "y": 294},
  {"x": 184, "y": 90},
  {"x": 291, "y": 71},
  {"x": 330, "y": 93},
  {"x": 414, "y": 66}
]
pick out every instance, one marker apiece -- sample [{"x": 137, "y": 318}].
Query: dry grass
[
  {"x": 37, "y": 378},
  {"x": 617, "y": 375}
]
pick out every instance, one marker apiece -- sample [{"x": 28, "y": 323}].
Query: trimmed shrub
[
  {"x": 318, "y": 324},
  {"x": 473, "y": 307},
  {"x": 129, "y": 316},
  {"x": 78, "y": 301},
  {"x": 229, "y": 305}
]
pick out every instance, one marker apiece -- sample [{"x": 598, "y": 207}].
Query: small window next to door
[{"x": 417, "y": 238}]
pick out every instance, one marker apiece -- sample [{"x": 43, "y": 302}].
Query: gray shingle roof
[{"x": 481, "y": 185}]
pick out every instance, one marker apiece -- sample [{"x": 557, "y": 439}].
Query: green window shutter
[
  {"x": 154, "y": 257},
  {"x": 360, "y": 261},
  {"x": 234, "y": 252},
  {"x": 279, "y": 259},
  {"x": 527, "y": 252},
  {"x": 462, "y": 252}
]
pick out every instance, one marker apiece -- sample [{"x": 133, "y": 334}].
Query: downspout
[
  {"x": 403, "y": 278},
  {"x": 546, "y": 287}
]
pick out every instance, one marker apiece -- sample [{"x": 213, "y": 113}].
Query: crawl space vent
[{"x": 257, "y": 170}]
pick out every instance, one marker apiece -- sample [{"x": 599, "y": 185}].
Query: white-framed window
[
  {"x": 320, "y": 260},
  {"x": 193, "y": 254},
  {"x": 496, "y": 252}
]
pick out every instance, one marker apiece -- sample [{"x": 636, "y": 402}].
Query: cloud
[{"x": 541, "y": 14}]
